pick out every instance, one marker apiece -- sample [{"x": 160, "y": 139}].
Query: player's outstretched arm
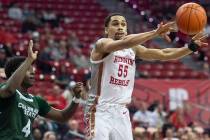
[
  {"x": 64, "y": 115},
  {"x": 171, "y": 53},
  {"x": 107, "y": 45},
  {"x": 17, "y": 77}
]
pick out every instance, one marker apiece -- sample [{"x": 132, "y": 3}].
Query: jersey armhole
[{"x": 98, "y": 61}]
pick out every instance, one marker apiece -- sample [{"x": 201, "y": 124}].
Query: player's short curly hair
[
  {"x": 12, "y": 64},
  {"x": 108, "y": 18}
]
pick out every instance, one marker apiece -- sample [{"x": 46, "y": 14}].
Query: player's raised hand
[
  {"x": 164, "y": 29},
  {"x": 199, "y": 38},
  {"x": 168, "y": 27},
  {"x": 31, "y": 54}
]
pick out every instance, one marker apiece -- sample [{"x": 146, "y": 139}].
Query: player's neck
[{"x": 23, "y": 89}]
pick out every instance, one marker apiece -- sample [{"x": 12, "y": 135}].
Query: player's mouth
[{"x": 119, "y": 34}]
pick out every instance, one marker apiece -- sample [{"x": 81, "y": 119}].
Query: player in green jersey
[{"x": 18, "y": 109}]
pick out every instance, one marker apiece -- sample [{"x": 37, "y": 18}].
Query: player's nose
[{"x": 120, "y": 28}]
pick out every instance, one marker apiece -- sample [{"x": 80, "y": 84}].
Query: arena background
[{"x": 64, "y": 31}]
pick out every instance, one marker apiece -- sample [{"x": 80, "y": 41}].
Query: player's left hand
[
  {"x": 79, "y": 90},
  {"x": 199, "y": 38},
  {"x": 164, "y": 30},
  {"x": 32, "y": 55}
]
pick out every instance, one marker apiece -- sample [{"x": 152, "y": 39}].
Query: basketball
[{"x": 191, "y": 18}]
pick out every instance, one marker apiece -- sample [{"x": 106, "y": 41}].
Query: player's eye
[
  {"x": 123, "y": 24},
  {"x": 115, "y": 23}
]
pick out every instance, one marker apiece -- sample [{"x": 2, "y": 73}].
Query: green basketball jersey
[{"x": 17, "y": 114}]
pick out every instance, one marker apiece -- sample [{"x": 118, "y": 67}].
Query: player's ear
[{"x": 106, "y": 31}]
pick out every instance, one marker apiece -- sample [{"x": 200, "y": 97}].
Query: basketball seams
[
  {"x": 180, "y": 17},
  {"x": 189, "y": 19},
  {"x": 197, "y": 19},
  {"x": 195, "y": 9}
]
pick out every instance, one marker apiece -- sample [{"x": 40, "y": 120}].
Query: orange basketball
[{"x": 191, "y": 18}]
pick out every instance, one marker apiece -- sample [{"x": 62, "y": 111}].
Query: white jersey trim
[{"x": 23, "y": 97}]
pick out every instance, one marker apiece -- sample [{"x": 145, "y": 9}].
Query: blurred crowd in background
[{"x": 64, "y": 58}]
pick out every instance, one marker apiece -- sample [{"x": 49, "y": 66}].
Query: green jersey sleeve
[{"x": 44, "y": 107}]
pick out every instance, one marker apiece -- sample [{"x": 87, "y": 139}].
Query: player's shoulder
[
  {"x": 100, "y": 43},
  {"x": 37, "y": 97},
  {"x": 103, "y": 40}
]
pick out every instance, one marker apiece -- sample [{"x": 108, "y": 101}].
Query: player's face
[
  {"x": 29, "y": 78},
  {"x": 117, "y": 28}
]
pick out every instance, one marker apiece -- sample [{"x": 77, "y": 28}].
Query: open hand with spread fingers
[
  {"x": 164, "y": 30},
  {"x": 199, "y": 38},
  {"x": 32, "y": 55},
  {"x": 198, "y": 41}
]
